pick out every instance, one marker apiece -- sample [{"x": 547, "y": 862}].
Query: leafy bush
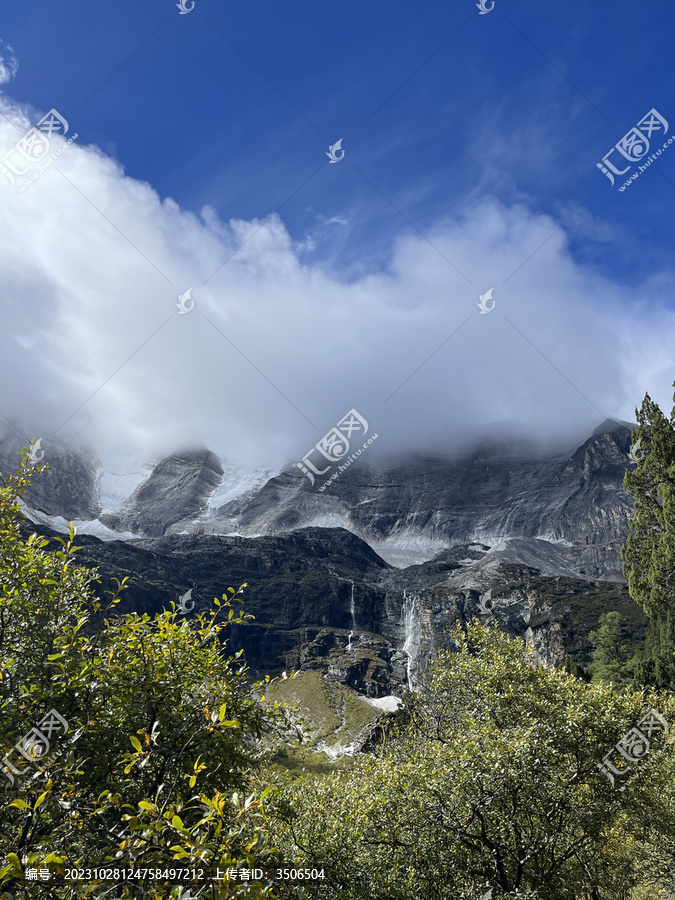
[
  {"x": 490, "y": 783},
  {"x": 154, "y": 732}
]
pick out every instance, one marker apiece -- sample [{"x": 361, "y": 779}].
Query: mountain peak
[{"x": 611, "y": 425}]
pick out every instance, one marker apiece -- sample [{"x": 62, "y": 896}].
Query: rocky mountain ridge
[
  {"x": 366, "y": 581},
  {"x": 408, "y": 510}
]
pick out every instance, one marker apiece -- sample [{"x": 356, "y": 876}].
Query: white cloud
[
  {"x": 93, "y": 263},
  {"x": 9, "y": 64}
]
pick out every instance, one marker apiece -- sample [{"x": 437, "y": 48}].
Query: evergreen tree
[
  {"x": 655, "y": 664},
  {"x": 649, "y": 552},
  {"x": 572, "y": 667},
  {"x": 611, "y": 656}
]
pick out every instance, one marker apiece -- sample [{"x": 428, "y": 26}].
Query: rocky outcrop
[
  {"x": 408, "y": 510},
  {"x": 68, "y": 488},
  {"x": 528, "y": 542},
  {"x": 324, "y": 600},
  {"x": 361, "y": 660},
  {"x": 411, "y": 509},
  {"x": 178, "y": 488}
]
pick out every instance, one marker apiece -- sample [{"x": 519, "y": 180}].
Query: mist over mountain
[
  {"x": 367, "y": 578},
  {"x": 502, "y": 485}
]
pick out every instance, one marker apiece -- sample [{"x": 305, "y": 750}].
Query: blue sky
[
  {"x": 439, "y": 110},
  {"x": 521, "y": 116}
]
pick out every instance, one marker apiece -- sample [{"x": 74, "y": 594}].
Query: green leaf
[
  {"x": 20, "y": 804},
  {"x": 136, "y": 743}
]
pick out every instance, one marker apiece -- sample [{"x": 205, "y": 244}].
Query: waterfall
[
  {"x": 352, "y": 608},
  {"x": 349, "y": 641},
  {"x": 411, "y": 634}
]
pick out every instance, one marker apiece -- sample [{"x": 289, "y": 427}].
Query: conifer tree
[
  {"x": 649, "y": 553},
  {"x": 611, "y": 650}
]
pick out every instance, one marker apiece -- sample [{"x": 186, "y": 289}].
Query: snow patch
[
  {"x": 115, "y": 488},
  {"x": 330, "y": 520},
  {"x": 387, "y": 704},
  {"x": 82, "y": 526},
  {"x": 236, "y": 482},
  {"x": 551, "y": 539},
  {"x": 337, "y": 751},
  {"x": 402, "y": 552}
]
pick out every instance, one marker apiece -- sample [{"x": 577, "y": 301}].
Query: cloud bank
[
  {"x": 9, "y": 64},
  {"x": 277, "y": 348}
]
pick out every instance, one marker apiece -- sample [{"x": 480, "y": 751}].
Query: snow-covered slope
[
  {"x": 82, "y": 526},
  {"x": 568, "y": 509}
]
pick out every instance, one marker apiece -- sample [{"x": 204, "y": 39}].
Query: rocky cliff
[
  {"x": 322, "y": 599},
  {"x": 367, "y": 580}
]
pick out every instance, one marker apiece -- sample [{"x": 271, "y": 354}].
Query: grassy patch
[{"x": 331, "y": 714}]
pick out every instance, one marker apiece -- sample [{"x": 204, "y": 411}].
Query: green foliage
[
  {"x": 490, "y": 781},
  {"x": 654, "y": 664},
  {"x": 649, "y": 553},
  {"x": 612, "y": 651},
  {"x": 164, "y": 729},
  {"x": 573, "y": 668}
]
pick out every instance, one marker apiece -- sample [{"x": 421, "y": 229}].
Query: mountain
[
  {"x": 176, "y": 488},
  {"x": 411, "y": 509},
  {"x": 366, "y": 580}
]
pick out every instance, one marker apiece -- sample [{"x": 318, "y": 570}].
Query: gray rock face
[
  {"x": 407, "y": 510},
  {"x": 317, "y": 592},
  {"x": 493, "y": 494},
  {"x": 68, "y": 488},
  {"x": 361, "y": 660},
  {"x": 178, "y": 488},
  {"x": 531, "y": 543}
]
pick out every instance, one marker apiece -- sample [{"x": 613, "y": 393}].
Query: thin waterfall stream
[{"x": 411, "y": 633}]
